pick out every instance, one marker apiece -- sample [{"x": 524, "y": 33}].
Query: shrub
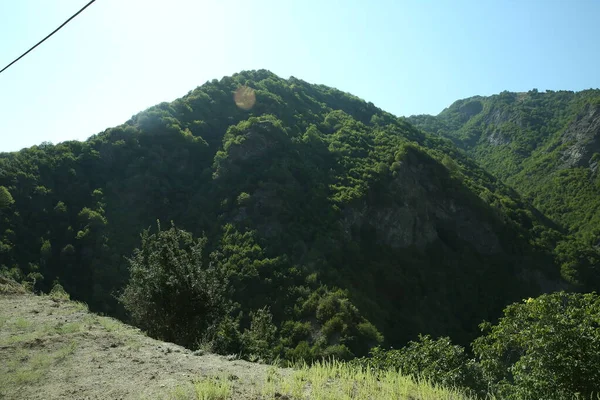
[
  {"x": 258, "y": 341},
  {"x": 6, "y": 198},
  {"x": 58, "y": 293},
  {"x": 547, "y": 347},
  {"x": 171, "y": 294},
  {"x": 438, "y": 361}
]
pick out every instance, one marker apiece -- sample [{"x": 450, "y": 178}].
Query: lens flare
[{"x": 244, "y": 97}]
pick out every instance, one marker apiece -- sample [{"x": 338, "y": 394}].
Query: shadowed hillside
[{"x": 545, "y": 145}]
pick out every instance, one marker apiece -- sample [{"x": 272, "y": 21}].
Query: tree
[
  {"x": 258, "y": 341},
  {"x": 547, "y": 347},
  {"x": 172, "y": 294},
  {"x": 6, "y": 198}
]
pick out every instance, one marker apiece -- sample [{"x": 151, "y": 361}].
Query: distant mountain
[
  {"x": 345, "y": 221},
  {"x": 545, "y": 145}
]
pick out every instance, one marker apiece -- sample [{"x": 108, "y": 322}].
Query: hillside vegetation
[
  {"x": 312, "y": 202},
  {"x": 288, "y": 222},
  {"x": 546, "y": 145}
]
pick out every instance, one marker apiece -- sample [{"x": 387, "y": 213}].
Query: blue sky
[{"x": 408, "y": 57}]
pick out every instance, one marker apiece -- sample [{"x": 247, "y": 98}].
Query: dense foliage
[
  {"x": 439, "y": 361},
  {"x": 547, "y": 146},
  {"x": 326, "y": 225},
  {"x": 171, "y": 294},
  {"x": 544, "y": 348}
]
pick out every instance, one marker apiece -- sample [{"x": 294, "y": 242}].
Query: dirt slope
[{"x": 51, "y": 348}]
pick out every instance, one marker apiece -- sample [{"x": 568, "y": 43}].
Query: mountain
[
  {"x": 334, "y": 225},
  {"x": 546, "y": 145}
]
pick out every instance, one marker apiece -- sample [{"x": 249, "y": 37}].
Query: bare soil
[{"x": 56, "y": 349}]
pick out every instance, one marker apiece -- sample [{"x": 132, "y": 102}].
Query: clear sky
[{"x": 408, "y": 57}]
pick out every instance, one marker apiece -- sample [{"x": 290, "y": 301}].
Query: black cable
[{"x": 53, "y": 32}]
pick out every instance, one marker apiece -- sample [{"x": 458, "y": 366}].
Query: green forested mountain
[
  {"x": 319, "y": 221},
  {"x": 546, "y": 146}
]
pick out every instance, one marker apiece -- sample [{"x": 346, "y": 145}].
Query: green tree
[
  {"x": 258, "y": 341},
  {"x": 172, "y": 294},
  {"x": 547, "y": 347},
  {"x": 6, "y": 198}
]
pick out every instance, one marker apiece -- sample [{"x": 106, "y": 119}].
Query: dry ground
[
  {"x": 56, "y": 349},
  {"x": 53, "y": 348}
]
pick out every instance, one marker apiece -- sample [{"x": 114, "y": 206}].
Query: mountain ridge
[
  {"x": 545, "y": 145},
  {"x": 311, "y": 201}
]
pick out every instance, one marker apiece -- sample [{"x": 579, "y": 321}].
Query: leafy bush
[
  {"x": 58, "y": 293},
  {"x": 438, "y": 361},
  {"x": 171, "y": 293},
  {"x": 5, "y": 197},
  {"x": 258, "y": 340},
  {"x": 224, "y": 337},
  {"x": 548, "y": 347}
]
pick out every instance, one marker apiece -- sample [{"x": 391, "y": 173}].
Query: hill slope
[
  {"x": 536, "y": 142},
  {"x": 545, "y": 145},
  {"x": 345, "y": 222},
  {"x": 52, "y": 348}
]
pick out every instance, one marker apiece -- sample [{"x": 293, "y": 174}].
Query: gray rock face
[
  {"x": 498, "y": 139},
  {"x": 500, "y": 116},
  {"x": 471, "y": 108},
  {"x": 582, "y": 138},
  {"x": 422, "y": 212}
]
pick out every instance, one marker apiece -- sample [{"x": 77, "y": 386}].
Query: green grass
[
  {"x": 58, "y": 293},
  {"x": 19, "y": 330},
  {"x": 22, "y": 330},
  {"x": 70, "y": 307},
  {"x": 25, "y": 367},
  {"x": 110, "y": 324},
  {"x": 132, "y": 338},
  {"x": 22, "y": 324},
  {"x": 79, "y": 306},
  {"x": 339, "y": 381},
  {"x": 213, "y": 389},
  {"x": 182, "y": 393},
  {"x": 72, "y": 327},
  {"x": 325, "y": 381}
]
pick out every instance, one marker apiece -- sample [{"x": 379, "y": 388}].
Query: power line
[{"x": 44, "y": 39}]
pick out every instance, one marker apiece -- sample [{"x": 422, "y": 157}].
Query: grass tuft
[
  {"x": 110, "y": 324},
  {"x": 9, "y": 286},
  {"x": 58, "y": 293},
  {"x": 213, "y": 389},
  {"x": 25, "y": 367}
]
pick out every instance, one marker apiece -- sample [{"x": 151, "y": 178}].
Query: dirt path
[{"x": 53, "y": 349}]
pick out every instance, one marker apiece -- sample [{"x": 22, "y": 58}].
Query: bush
[
  {"x": 5, "y": 198},
  {"x": 302, "y": 353},
  {"x": 259, "y": 340},
  {"x": 171, "y": 294},
  {"x": 438, "y": 361},
  {"x": 337, "y": 352},
  {"x": 223, "y": 338},
  {"x": 58, "y": 293},
  {"x": 548, "y": 347}
]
